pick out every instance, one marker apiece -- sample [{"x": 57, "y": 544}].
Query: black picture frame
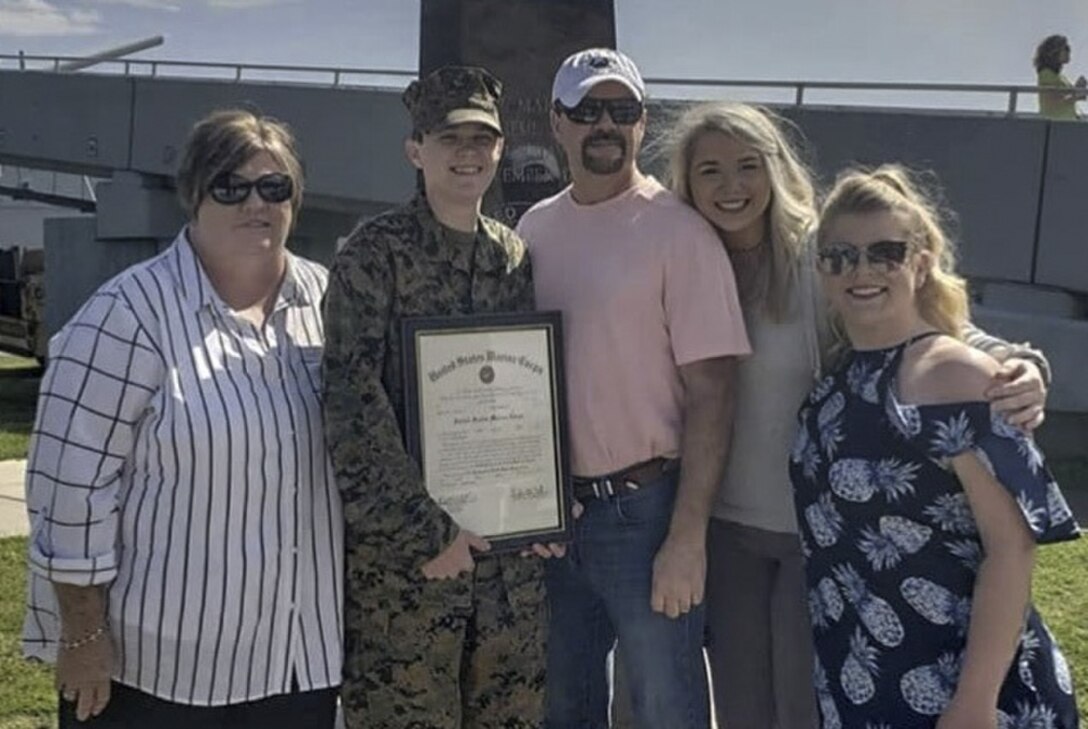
[{"x": 467, "y": 332}]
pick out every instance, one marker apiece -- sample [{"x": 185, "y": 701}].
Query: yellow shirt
[{"x": 1052, "y": 105}]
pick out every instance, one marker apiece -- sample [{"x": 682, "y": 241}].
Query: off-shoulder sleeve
[{"x": 1011, "y": 456}]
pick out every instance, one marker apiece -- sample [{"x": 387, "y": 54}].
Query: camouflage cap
[{"x": 454, "y": 95}]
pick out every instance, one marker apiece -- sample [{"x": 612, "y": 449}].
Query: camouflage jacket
[{"x": 401, "y": 263}]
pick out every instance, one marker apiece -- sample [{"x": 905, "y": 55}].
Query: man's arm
[
  {"x": 679, "y": 575},
  {"x": 381, "y": 486},
  {"x": 1003, "y": 350},
  {"x": 1019, "y": 388}
]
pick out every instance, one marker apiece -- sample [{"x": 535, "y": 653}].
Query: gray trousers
[{"x": 759, "y": 639}]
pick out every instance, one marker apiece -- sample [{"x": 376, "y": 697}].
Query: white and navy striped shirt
[{"x": 178, "y": 456}]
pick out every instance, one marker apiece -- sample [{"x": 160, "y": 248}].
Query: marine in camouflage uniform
[{"x": 463, "y": 652}]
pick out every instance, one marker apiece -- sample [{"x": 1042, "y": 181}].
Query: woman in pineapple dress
[{"x": 919, "y": 511}]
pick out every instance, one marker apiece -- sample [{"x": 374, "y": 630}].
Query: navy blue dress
[{"x": 892, "y": 551}]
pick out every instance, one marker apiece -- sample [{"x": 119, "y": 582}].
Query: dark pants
[
  {"x": 760, "y": 638},
  {"x": 132, "y": 709}
]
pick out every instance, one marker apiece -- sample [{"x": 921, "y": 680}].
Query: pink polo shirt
[{"x": 645, "y": 286}]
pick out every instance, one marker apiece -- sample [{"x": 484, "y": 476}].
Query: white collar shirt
[{"x": 178, "y": 457}]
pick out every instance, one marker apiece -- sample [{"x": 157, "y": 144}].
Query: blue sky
[{"x": 972, "y": 41}]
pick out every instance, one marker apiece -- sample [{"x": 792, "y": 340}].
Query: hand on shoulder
[{"x": 944, "y": 369}]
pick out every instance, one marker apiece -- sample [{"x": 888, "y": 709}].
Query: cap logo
[{"x": 584, "y": 69}]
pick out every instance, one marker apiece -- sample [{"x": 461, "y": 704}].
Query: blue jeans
[{"x": 600, "y": 593}]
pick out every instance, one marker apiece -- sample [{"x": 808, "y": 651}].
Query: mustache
[{"x": 604, "y": 136}]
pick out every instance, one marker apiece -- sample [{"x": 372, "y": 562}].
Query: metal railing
[
  {"x": 337, "y": 76},
  {"x": 329, "y": 75},
  {"x": 798, "y": 88}
]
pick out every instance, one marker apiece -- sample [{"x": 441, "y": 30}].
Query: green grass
[
  {"x": 19, "y": 380},
  {"x": 1060, "y": 588},
  {"x": 1061, "y": 580},
  {"x": 27, "y": 699},
  {"x": 14, "y": 362}
]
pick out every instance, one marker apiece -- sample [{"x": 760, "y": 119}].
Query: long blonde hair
[
  {"x": 942, "y": 298},
  {"x": 791, "y": 213}
]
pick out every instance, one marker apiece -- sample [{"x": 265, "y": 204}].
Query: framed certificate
[{"x": 486, "y": 421}]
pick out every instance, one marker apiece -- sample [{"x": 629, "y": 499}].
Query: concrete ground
[{"x": 12, "y": 499}]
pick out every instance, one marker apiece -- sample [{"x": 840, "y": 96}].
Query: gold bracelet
[{"x": 71, "y": 645}]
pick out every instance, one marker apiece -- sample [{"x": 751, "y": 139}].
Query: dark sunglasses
[
  {"x": 230, "y": 189},
  {"x": 884, "y": 256},
  {"x": 590, "y": 111}
]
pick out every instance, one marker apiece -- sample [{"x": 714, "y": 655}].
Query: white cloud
[
  {"x": 243, "y": 4},
  {"x": 147, "y": 4},
  {"x": 41, "y": 18}
]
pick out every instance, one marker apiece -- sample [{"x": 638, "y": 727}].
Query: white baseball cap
[{"x": 585, "y": 69}]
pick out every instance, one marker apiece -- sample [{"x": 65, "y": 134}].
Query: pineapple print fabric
[{"x": 892, "y": 551}]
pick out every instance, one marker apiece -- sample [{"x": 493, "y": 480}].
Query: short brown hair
[{"x": 225, "y": 140}]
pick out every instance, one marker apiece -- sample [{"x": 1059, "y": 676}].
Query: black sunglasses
[
  {"x": 590, "y": 111},
  {"x": 883, "y": 256},
  {"x": 231, "y": 189}
]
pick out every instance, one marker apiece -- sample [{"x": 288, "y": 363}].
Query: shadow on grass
[
  {"x": 18, "y": 394},
  {"x": 18, "y": 398},
  {"x": 1072, "y": 476}
]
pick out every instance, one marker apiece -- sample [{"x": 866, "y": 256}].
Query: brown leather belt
[{"x": 628, "y": 479}]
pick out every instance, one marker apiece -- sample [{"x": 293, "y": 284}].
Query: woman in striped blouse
[{"x": 185, "y": 551}]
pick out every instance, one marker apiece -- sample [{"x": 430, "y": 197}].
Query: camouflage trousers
[{"x": 457, "y": 654}]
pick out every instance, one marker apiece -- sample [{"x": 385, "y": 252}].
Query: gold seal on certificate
[{"x": 486, "y": 415}]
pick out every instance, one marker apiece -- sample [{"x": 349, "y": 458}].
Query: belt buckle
[
  {"x": 602, "y": 488},
  {"x": 607, "y": 488}
]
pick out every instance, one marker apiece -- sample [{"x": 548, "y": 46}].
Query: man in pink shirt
[{"x": 653, "y": 328}]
